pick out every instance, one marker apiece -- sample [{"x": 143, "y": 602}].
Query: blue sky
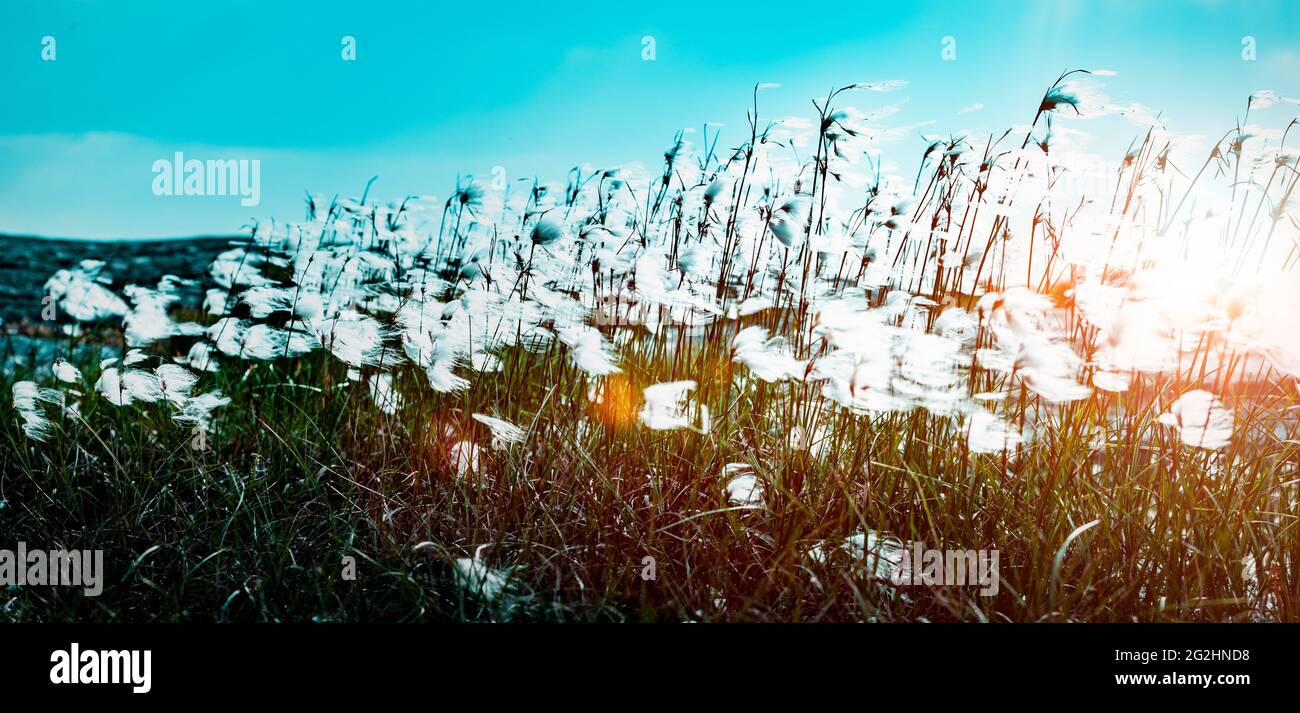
[{"x": 440, "y": 89}]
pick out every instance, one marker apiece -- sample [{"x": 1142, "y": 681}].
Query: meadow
[{"x": 735, "y": 386}]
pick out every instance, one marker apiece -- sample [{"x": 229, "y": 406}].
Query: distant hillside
[{"x": 27, "y": 262}]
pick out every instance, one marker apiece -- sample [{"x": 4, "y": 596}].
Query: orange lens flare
[{"x": 616, "y": 401}]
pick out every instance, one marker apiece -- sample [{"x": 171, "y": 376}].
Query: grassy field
[{"x": 1104, "y": 500}]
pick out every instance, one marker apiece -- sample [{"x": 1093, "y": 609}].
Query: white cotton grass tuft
[
  {"x": 1048, "y": 368},
  {"x": 879, "y": 555},
  {"x": 504, "y": 433},
  {"x": 475, "y": 578},
  {"x": 264, "y": 301},
  {"x": 589, "y": 352},
  {"x": 356, "y": 339},
  {"x": 127, "y": 386},
  {"x": 81, "y": 294},
  {"x": 1115, "y": 382},
  {"x": 385, "y": 396},
  {"x": 465, "y": 459},
  {"x": 664, "y": 406},
  {"x": 27, "y": 394},
  {"x": 742, "y": 485},
  {"x": 956, "y": 324},
  {"x": 887, "y": 85},
  {"x": 989, "y": 433},
  {"x": 713, "y": 190},
  {"x": 814, "y": 440},
  {"x": 443, "y": 380},
  {"x": 696, "y": 261},
  {"x": 1262, "y": 587},
  {"x": 175, "y": 382},
  {"x": 201, "y": 358},
  {"x": 214, "y": 302},
  {"x": 483, "y": 362},
  {"x": 65, "y": 372},
  {"x": 1201, "y": 420},
  {"x": 35, "y": 425},
  {"x": 753, "y": 305},
  {"x": 789, "y": 221},
  {"x": 27, "y": 397},
  {"x": 148, "y": 320},
  {"x": 1263, "y": 99},
  {"x": 197, "y": 410},
  {"x": 768, "y": 359},
  {"x": 168, "y": 382},
  {"x": 244, "y": 340},
  {"x": 548, "y": 230}
]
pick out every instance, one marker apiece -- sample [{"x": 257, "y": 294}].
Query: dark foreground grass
[{"x": 302, "y": 471}]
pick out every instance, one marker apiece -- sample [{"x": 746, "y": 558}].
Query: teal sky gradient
[{"x": 441, "y": 89}]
